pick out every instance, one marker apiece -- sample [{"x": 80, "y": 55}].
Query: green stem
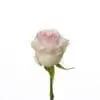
[
  {"x": 51, "y": 88},
  {"x": 51, "y": 72}
]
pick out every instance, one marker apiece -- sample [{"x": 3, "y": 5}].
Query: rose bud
[{"x": 49, "y": 47}]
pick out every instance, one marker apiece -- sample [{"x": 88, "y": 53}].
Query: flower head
[{"x": 49, "y": 47}]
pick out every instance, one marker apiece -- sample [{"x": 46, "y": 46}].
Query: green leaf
[
  {"x": 60, "y": 66},
  {"x": 50, "y": 70}
]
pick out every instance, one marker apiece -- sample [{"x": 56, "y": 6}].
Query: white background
[{"x": 77, "y": 20}]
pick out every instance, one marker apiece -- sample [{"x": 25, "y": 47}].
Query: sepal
[{"x": 61, "y": 67}]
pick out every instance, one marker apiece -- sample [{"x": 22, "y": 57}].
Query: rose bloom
[{"x": 49, "y": 47}]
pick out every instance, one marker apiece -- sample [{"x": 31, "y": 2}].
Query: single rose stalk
[{"x": 49, "y": 48}]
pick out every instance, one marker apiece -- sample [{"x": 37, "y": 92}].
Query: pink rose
[{"x": 49, "y": 47}]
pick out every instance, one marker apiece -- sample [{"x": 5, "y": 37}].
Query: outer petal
[
  {"x": 36, "y": 45},
  {"x": 47, "y": 59},
  {"x": 36, "y": 59},
  {"x": 61, "y": 48},
  {"x": 65, "y": 43}
]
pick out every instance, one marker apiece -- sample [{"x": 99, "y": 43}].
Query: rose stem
[
  {"x": 51, "y": 88},
  {"x": 51, "y": 71}
]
